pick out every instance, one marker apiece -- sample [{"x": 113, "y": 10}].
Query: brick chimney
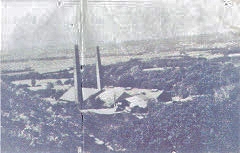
[
  {"x": 99, "y": 70},
  {"x": 78, "y": 79}
]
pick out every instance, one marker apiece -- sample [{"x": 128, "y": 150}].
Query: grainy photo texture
[{"x": 127, "y": 76}]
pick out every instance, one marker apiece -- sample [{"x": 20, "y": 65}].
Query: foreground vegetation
[{"x": 209, "y": 122}]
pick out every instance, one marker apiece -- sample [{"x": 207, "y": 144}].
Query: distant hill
[{"x": 53, "y": 32}]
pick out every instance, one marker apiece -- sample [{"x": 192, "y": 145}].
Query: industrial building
[{"x": 109, "y": 96}]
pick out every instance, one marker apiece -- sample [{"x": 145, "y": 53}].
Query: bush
[
  {"x": 33, "y": 82},
  {"x": 68, "y": 81},
  {"x": 50, "y": 85},
  {"x": 126, "y": 81},
  {"x": 59, "y": 82},
  {"x": 59, "y": 93}
]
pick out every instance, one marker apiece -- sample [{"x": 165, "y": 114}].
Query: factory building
[{"x": 109, "y": 96}]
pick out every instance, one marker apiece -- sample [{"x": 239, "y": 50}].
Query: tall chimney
[
  {"x": 99, "y": 70},
  {"x": 78, "y": 79}
]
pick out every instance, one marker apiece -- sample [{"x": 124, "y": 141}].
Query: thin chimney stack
[
  {"x": 78, "y": 79},
  {"x": 99, "y": 70}
]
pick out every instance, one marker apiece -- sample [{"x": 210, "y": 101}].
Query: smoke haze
[{"x": 31, "y": 27}]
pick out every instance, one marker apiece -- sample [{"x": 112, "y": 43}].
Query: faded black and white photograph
[{"x": 126, "y": 76}]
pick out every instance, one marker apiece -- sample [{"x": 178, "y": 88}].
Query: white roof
[
  {"x": 138, "y": 100},
  {"x": 110, "y": 94},
  {"x": 70, "y": 94},
  {"x": 149, "y": 93}
]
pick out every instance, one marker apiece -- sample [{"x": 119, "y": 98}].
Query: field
[
  {"x": 198, "y": 111},
  {"x": 210, "y": 47},
  {"x": 44, "y": 66}
]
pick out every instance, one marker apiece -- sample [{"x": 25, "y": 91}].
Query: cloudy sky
[{"x": 33, "y": 26}]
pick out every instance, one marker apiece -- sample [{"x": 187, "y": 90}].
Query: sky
[
  {"x": 30, "y": 26},
  {"x": 1, "y": 25}
]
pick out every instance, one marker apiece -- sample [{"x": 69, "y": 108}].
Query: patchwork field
[{"x": 193, "y": 104}]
